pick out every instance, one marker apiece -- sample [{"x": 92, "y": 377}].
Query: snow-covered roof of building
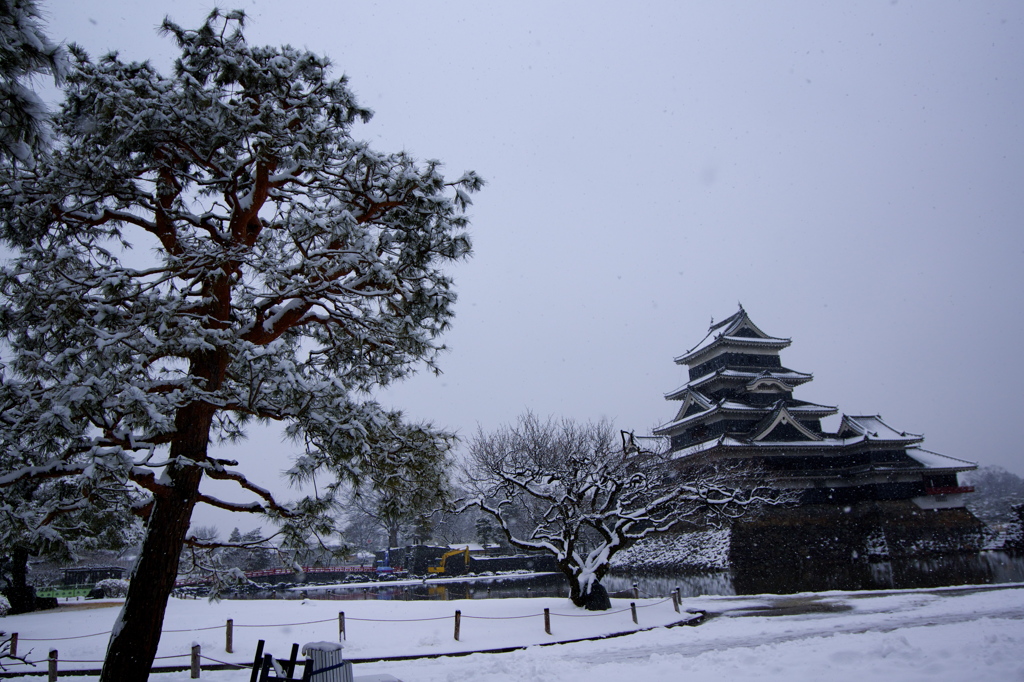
[
  {"x": 721, "y": 441},
  {"x": 871, "y": 426},
  {"x": 934, "y": 460},
  {"x": 780, "y": 417},
  {"x": 927, "y": 459},
  {"x": 786, "y": 375},
  {"x": 800, "y": 408},
  {"x": 737, "y": 329},
  {"x": 693, "y": 399},
  {"x": 471, "y": 546}
]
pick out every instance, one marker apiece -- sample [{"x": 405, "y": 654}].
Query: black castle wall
[
  {"x": 823, "y": 547},
  {"x": 745, "y": 361}
]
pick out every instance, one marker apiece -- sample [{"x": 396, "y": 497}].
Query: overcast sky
[{"x": 851, "y": 172}]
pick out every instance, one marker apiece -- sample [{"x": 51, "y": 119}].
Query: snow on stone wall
[{"x": 701, "y": 550}]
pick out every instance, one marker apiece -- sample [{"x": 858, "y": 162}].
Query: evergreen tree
[
  {"x": 296, "y": 270},
  {"x": 485, "y": 531},
  {"x": 400, "y": 512},
  {"x": 248, "y": 551},
  {"x": 422, "y": 530},
  {"x": 25, "y": 52}
]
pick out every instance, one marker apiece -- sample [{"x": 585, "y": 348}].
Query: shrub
[{"x": 113, "y": 587}]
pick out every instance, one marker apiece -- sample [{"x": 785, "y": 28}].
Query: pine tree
[
  {"x": 25, "y": 51},
  {"x": 485, "y": 532},
  {"x": 401, "y": 512},
  {"x": 295, "y": 271}
]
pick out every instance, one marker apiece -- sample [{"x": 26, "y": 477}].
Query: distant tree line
[{"x": 996, "y": 492}]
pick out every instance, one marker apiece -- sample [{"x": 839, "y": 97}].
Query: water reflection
[{"x": 924, "y": 572}]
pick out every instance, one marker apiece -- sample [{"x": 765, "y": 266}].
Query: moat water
[{"x": 939, "y": 571}]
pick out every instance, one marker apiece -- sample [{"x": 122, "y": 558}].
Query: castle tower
[
  {"x": 865, "y": 494},
  {"x": 738, "y": 405}
]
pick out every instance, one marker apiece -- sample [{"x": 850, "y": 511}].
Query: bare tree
[
  {"x": 362, "y": 532},
  {"x": 587, "y": 494}
]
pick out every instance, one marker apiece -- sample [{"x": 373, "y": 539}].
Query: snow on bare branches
[{"x": 583, "y": 492}]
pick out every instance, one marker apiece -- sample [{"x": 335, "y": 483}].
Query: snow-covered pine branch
[{"x": 25, "y": 51}]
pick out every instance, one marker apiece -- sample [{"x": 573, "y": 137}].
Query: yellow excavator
[{"x": 442, "y": 568}]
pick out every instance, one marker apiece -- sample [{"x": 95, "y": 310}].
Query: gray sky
[{"x": 850, "y": 172}]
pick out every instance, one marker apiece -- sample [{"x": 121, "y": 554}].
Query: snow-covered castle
[
  {"x": 739, "y": 404},
  {"x": 865, "y": 492}
]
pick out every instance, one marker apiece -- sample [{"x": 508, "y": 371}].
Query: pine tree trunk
[
  {"x": 393, "y": 536},
  {"x": 21, "y": 595},
  {"x": 136, "y": 634}
]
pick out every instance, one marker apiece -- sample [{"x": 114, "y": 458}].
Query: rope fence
[
  {"x": 53, "y": 658},
  {"x": 63, "y": 639}
]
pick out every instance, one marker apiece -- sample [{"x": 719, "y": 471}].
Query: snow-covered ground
[{"x": 935, "y": 635}]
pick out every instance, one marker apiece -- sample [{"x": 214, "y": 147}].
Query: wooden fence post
[
  {"x": 458, "y": 623},
  {"x": 632, "y": 607},
  {"x": 636, "y": 591},
  {"x": 195, "y": 662},
  {"x": 229, "y": 636},
  {"x": 14, "y": 645},
  {"x": 675, "y": 599},
  {"x": 547, "y": 621},
  {"x": 341, "y": 626},
  {"x": 52, "y": 667}
]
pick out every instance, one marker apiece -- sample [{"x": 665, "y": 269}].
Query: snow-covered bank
[
  {"x": 406, "y": 582},
  {"x": 948, "y": 634},
  {"x": 373, "y": 628}
]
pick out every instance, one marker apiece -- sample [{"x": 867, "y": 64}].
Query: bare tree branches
[{"x": 583, "y": 492}]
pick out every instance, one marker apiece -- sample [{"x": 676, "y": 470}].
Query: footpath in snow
[{"x": 936, "y": 635}]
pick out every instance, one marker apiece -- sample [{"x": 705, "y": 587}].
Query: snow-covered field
[{"x": 935, "y": 635}]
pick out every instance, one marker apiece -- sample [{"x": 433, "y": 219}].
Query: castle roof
[
  {"x": 787, "y": 376},
  {"x": 725, "y": 406},
  {"x": 736, "y": 331},
  {"x": 871, "y": 426},
  {"x": 937, "y": 461},
  {"x": 932, "y": 461},
  {"x": 782, "y": 424}
]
